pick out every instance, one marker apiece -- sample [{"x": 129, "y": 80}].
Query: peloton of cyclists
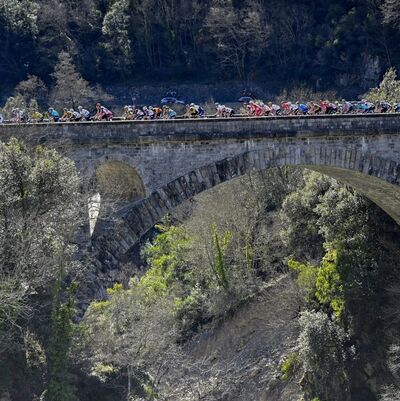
[{"x": 251, "y": 108}]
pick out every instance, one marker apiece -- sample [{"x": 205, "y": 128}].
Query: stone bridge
[{"x": 157, "y": 165}]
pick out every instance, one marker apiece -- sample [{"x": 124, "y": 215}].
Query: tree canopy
[{"x": 329, "y": 45}]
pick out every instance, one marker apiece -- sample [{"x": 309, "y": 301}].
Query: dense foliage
[
  {"x": 349, "y": 286},
  {"x": 335, "y": 250},
  {"x": 39, "y": 212},
  {"x": 340, "y": 44},
  {"x": 206, "y": 264},
  {"x": 342, "y": 252}
]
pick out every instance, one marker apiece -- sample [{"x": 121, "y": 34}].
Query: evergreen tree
[
  {"x": 60, "y": 387},
  {"x": 388, "y": 90},
  {"x": 70, "y": 87},
  {"x": 32, "y": 88}
]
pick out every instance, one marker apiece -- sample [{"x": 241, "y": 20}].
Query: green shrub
[
  {"x": 325, "y": 357},
  {"x": 219, "y": 267},
  {"x": 290, "y": 365},
  {"x": 166, "y": 260},
  {"x": 322, "y": 282},
  {"x": 329, "y": 288},
  {"x": 389, "y": 88},
  {"x": 191, "y": 312},
  {"x": 307, "y": 276}
]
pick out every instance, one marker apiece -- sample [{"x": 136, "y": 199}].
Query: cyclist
[
  {"x": 383, "y": 107},
  {"x": 303, "y": 108},
  {"x": 128, "y": 113},
  {"x": 139, "y": 115},
  {"x": 54, "y": 115},
  {"x": 315, "y": 108},
  {"x": 85, "y": 114},
  {"x": 157, "y": 112},
  {"x": 66, "y": 115},
  {"x": 325, "y": 106},
  {"x": 275, "y": 109},
  {"x": 265, "y": 108},
  {"x": 194, "y": 111},
  {"x": 286, "y": 107},
  {"x": 294, "y": 109},
  {"x": 256, "y": 109},
  {"x": 36, "y": 116},
  {"x": 220, "y": 110},
  {"x": 168, "y": 113},
  {"x": 347, "y": 107},
  {"x": 228, "y": 112},
  {"x": 102, "y": 113},
  {"x": 148, "y": 113},
  {"x": 75, "y": 115}
]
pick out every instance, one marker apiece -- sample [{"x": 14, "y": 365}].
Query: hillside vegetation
[
  {"x": 283, "y": 291},
  {"x": 341, "y": 44},
  {"x": 280, "y": 285}
]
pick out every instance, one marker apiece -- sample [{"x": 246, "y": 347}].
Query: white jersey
[
  {"x": 220, "y": 110},
  {"x": 85, "y": 113}
]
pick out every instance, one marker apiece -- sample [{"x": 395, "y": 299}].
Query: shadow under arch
[
  {"x": 375, "y": 177},
  {"x": 113, "y": 185}
]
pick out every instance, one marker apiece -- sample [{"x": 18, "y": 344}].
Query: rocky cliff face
[{"x": 240, "y": 359}]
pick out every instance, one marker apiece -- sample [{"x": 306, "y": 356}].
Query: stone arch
[
  {"x": 376, "y": 177},
  {"x": 109, "y": 158},
  {"x": 113, "y": 183},
  {"x": 119, "y": 180}
]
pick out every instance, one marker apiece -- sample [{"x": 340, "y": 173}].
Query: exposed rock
[{"x": 239, "y": 360}]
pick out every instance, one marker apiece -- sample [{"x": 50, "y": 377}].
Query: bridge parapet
[{"x": 241, "y": 128}]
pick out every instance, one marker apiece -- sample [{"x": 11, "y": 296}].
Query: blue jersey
[{"x": 303, "y": 108}]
